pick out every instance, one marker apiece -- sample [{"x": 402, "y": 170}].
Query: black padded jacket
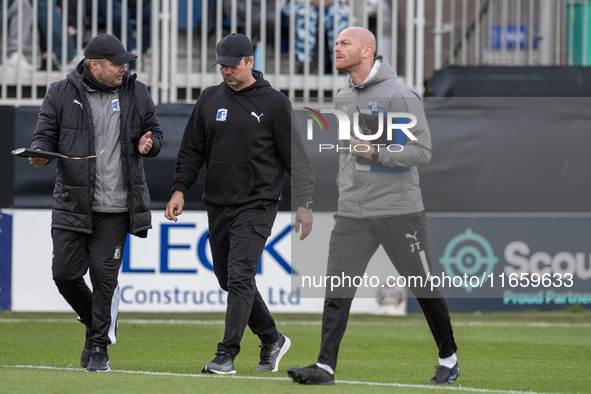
[{"x": 65, "y": 125}]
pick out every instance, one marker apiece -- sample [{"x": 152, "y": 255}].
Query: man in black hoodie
[{"x": 242, "y": 130}]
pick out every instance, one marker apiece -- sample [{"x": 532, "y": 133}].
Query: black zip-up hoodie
[{"x": 245, "y": 138}]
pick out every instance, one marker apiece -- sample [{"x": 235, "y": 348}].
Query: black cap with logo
[
  {"x": 107, "y": 46},
  {"x": 231, "y": 49}
]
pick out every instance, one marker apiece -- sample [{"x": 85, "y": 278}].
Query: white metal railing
[
  {"x": 512, "y": 32},
  {"x": 178, "y": 63}
]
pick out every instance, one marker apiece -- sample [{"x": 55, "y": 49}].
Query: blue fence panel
[{"x": 5, "y": 259}]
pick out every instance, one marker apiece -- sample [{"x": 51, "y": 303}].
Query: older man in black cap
[
  {"x": 103, "y": 116},
  {"x": 242, "y": 130}
]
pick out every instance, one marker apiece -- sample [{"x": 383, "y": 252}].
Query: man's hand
[
  {"x": 145, "y": 143},
  {"x": 303, "y": 217},
  {"x": 38, "y": 161},
  {"x": 361, "y": 151},
  {"x": 175, "y": 206}
]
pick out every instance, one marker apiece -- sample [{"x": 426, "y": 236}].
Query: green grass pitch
[{"x": 539, "y": 352}]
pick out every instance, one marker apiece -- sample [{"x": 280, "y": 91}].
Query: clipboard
[
  {"x": 371, "y": 122},
  {"x": 28, "y": 152}
]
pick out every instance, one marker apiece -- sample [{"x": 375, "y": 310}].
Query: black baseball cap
[
  {"x": 231, "y": 49},
  {"x": 107, "y": 46}
]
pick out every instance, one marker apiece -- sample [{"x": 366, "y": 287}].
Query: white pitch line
[
  {"x": 318, "y": 323},
  {"x": 530, "y": 324},
  {"x": 350, "y": 382},
  {"x": 133, "y": 321}
]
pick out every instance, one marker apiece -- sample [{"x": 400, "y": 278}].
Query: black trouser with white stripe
[
  {"x": 237, "y": 236},
  {"x": 352, "y": 244},
  {"x": 100, "y": 252}
]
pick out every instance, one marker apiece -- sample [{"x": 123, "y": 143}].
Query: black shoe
[
  {"x": 445, "y": 375},
  {"x": 272, "y": 353},
  {"x": 222, "y": 364},
  {"x": 99, "y": 360},
  {"x": 85, "y": 356},
  {"x": 312, "y": 374}
]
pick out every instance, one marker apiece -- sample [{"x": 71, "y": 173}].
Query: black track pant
[
  {"x": 237, "y": 236},
  {"x": 352, "y": 244},
  {"x": 100, "y": 252}
]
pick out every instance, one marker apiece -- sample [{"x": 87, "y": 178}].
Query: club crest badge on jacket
[{"x": 222, "y": 115}]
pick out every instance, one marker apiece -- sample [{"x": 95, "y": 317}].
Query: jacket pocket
[
  {"x": 72, "y": 115},
  {"x": 73, "y": 142},
  {"x": 229, "y": 183},
  {"x": 262, "y": 231},
  {"x": 397, "y": 183},
  {"x": 257, "y": 243},
  {"x": 135, "y": 134}
]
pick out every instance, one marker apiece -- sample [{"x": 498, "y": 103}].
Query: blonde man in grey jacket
[{"x": 380, "y": 203}]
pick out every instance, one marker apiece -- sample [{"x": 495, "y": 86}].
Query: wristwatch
[
  {"x": 308, "y": 205},
  {"x": 375, "y": 155}
]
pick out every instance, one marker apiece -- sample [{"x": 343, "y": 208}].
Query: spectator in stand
[
  {"x": 131, "y": 15},
  {"x": 330, "y": 12},
  {"x": 71, "y": 58},
  {"x": 14, "y": 59},
  {"x": 268, "y": 19},
  {"x": 386, "y": 16}
]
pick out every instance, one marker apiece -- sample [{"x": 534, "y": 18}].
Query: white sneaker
[
  {"x": 272, "y": 353},
  {"x": 16, "y": 62}
]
